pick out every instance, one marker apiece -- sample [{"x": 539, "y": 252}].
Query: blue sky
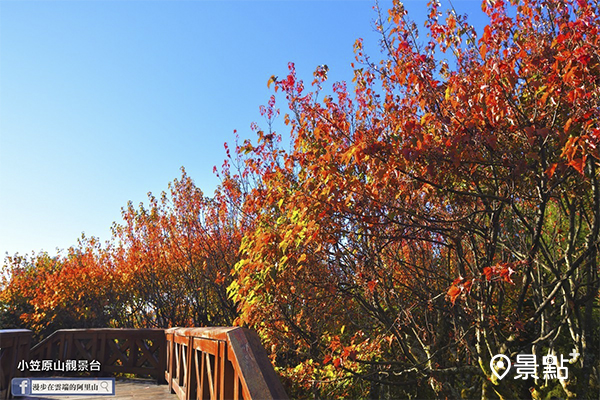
[{"x": 102, "y": 102}]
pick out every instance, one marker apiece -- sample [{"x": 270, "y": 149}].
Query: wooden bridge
[{"x": 184, "y": 363}]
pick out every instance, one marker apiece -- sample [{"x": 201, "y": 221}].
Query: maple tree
[
  {"x": 446, "y": 211},
  {"x": 168, "y": 264},
  {"x": 176, "y": 256},
  {"x": 77, "y": 290}
]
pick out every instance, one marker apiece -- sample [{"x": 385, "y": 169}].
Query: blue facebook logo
[{"x": 20, "y": 386}]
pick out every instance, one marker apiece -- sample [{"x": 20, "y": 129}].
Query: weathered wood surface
[
  {"x": 219, "y": 363},
  {"x": 133, "y": 351},
  {"x": 14, "y": 347},
  {"x": 124, "y": 389},
  {"x": 197, "y": 363}
]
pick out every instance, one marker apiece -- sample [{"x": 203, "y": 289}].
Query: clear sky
[{"x": 102, "y": 102}]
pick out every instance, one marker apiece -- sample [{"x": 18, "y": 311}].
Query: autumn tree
[
  {"x": 443, "y": 211},
  {"x": 176, "y": 255},
  {"x": 75, "y": 290},
  {"x": 446, "y": 211},
  {"x": 168, "y": 264}
]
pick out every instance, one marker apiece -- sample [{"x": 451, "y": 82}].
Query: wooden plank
[
  {"x": 256, "y": 372},
  {"x": 170, "y": 355},
  {"x": 216, "y": 363},
  {"x": 228, "y": 375},
  {"x": 236, "y": 387},
  {"x": 188, "y": 370},
  {"x": 210, "y": 376},
  {"x": 210, "y": 346},
  {"x": 177, "y": 363},
  {"x": 181, "y": 339},
  {"x": 180, "y": 381},
  {"x": 197, "y": 378},
  {"x": 257, "y": 379},
  {"x": 221, "y": 363},
  {"x": 101, "y": 342},
  {"x": 66, "y": 349},
  {"x": 161, "y": 342}
]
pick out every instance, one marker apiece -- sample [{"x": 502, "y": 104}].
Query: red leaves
[
  {"x": 467, "y": 285},
  {"x": 576, "y": 150},
  {"x": 386, "y": 189},
  {"x": 519, "y": 326},
  {"x": 371, "y": 285},
  {"x": 488, "y": 272},
  {"x": 337, "y": 362},
  {"x": 352, "y": 355},
  {"x": 502, "y": 271},
  {"x": 506, "y": 272},
  {"x": 337, "y": 357},
  {"x": 483, "y": 50},
  {"x": 550, "y": 170},
  {"x": 453, "y": 293},
  {"x": 578, "y": 164},
  {"x": 459, "y": 286},
  {"x": 584, "y": 59},
  {"x": 65, "y": 289},
  {"x": 499, "y": 272}
]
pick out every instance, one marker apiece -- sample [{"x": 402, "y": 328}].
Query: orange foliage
[
  {"x": 167, "y": 265},
  {"x": 444, "y": 210},
  {"x": 423, "y": 173}
]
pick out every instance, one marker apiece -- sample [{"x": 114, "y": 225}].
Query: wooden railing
[
  {"x": 14, "y": 347},
  {"x": 131, "y": 351},
  {"x": 219, "y": 363},
  {"x": 197, "y": 363}
]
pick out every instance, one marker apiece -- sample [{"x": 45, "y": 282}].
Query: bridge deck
[{"x": 124, "y": 389}]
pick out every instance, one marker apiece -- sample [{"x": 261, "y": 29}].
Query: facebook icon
[{"x": 20, "y": 386}]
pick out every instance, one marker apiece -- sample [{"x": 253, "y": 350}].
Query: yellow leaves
[
  {"x": 355, "y": 154},
  {"x": 358, "y": 44},
  {"x": 282, "y": 262},
  {"x": 448, "y": 93},
  {"x": 425, "y": 118}
]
